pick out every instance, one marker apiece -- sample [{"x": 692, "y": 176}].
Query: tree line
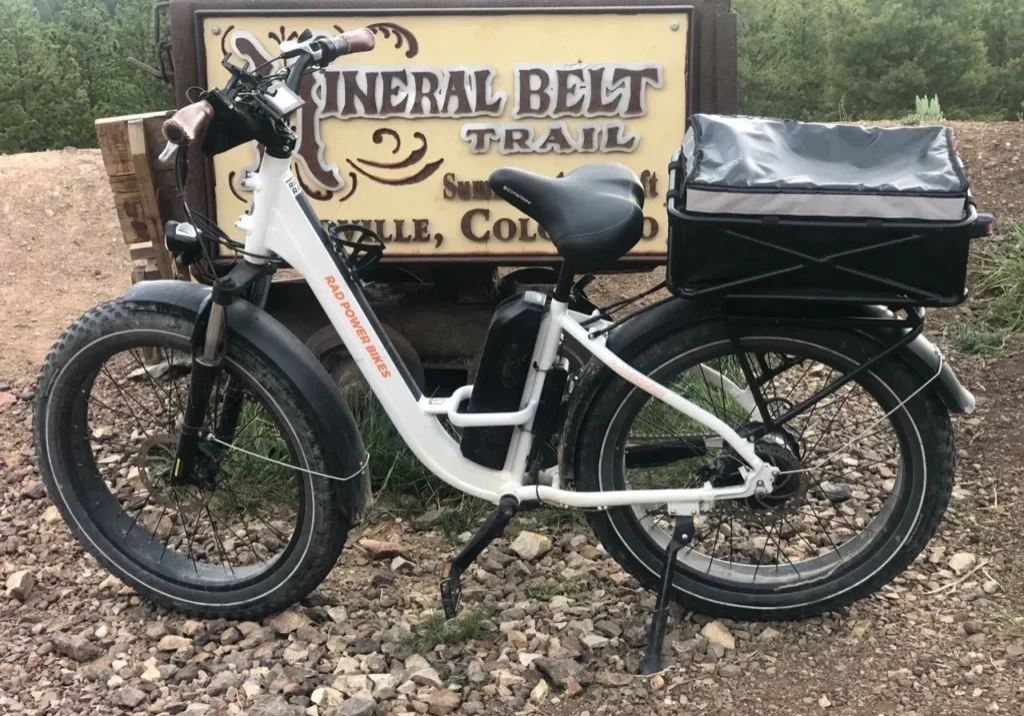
[
  {"x": 62, "y": 62},
  {"x": 62, "y": 65},
  {"x": 869, "y": 59}
]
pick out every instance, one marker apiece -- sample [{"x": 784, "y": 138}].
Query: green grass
[
  {"x": 980, "y": 341},
  {"x": 542, "y": 592},
  {"x": 395, "y": 470},
  {"x": 546, "y": 591},
  {"x": 998, "y": 295},
  {"x": 466, "y": 516},
  {"x": 554, "y": 518},
  {"x": 435, "y": 629},
  {"x": 250, "y": 481},
  {"x": 1012, "y": 626}
]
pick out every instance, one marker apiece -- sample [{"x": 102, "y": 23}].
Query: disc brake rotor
[{"x": 154, "y": 461}]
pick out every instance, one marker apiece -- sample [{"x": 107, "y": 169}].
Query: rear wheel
[
  {"x": 251, "y": 534},
  {"x": 863, "y": 482}
]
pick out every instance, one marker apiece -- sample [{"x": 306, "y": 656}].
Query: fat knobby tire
[
  {"x": 931, "y": 477},
  {"x": 96, "y": 336}
]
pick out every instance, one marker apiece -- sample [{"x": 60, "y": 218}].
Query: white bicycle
[{"x": 761, "y": 461}]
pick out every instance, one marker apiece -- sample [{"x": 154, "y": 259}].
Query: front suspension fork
[{"x": 208, "y": 362}]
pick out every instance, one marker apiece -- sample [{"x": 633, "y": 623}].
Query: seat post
[{"x": 564, "y": 286}]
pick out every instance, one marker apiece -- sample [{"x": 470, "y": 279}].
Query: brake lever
[{"x": 168, "y": 152}]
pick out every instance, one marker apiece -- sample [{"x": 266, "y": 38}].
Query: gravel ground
[{"x": 560, "y": 633}]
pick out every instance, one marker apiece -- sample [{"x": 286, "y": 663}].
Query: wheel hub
[
  {"x": 155, "y": 460},
  {"x": 789, "y": 485}
]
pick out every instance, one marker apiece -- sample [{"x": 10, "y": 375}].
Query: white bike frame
[{"x": 282, "y": 223}]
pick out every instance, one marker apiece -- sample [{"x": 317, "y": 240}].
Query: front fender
[{"x": 336, "y": 430}]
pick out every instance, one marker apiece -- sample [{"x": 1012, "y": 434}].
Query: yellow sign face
[{"x": 402, "y": 139}]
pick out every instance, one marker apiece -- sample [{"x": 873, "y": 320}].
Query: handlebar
[
  {"x": 312, "y": 53},
  {"x": 347, "y": 43},
  {"x": 186, "y": 124},
  {"x": 322, "y": 51}
]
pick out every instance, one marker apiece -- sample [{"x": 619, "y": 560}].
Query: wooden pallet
[{"x": 144, "y": 190}]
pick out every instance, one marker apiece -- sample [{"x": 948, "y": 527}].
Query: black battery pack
[{"x": 501, "y": 375}]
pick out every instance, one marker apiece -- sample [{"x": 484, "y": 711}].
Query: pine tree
[{"x": 43, "y": 104}]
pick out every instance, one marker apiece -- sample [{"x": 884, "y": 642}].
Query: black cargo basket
[{"x": 718, "y": 252}]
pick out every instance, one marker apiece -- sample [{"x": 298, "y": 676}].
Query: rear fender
[
  {"x": 645, "y": 328},
  {"x": 336, "y": 430}
]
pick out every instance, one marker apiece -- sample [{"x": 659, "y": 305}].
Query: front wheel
[
  {"x": 863, "y": 481},
  {"x": 250, "y": 533}
]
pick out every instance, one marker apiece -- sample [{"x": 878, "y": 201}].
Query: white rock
[
  {"x": 352, "y": 684},
  {"x": 716, "y": 633},
  {"x": 400, "y": 565},
  {"x": 526, "y": 658},
  {"x": 426, "y": 677},
  {"x": 378, "y": 549},
  {"x": 51, "y": 515},
  {"x": 769, "y": 634},
  {"x": 20, "y": 584},
  {"x": 173, "y": 642},
  {"x": 110, "y": 582},
  {"x": 347, "y": 665},
  {"x": 296, "y": 653},
  {"x": 415, "y": 662},
  {"x": 823, "y": 702},
  {"x": 191, "y": 627},
  {"x": 540, "y": 692},
  {"x": 516, "y": 639},
  {"x": 962, "y": 562},
  {"x": 383, "y": 681},
  {"x": 558, "y": 603},
  {"x": 251, "y": 689},
  {"x": 506, "y": 678},
  {"x": 288, "y": 621},
  {"x": 326, "y": 697},
  {"x": 595, "y": 641},
  {"x": 530, "y": 545},
  {"x": 151, "y": 674},
  {"x": 442, "y": 702},
  {"x": 337, "y": 614}
]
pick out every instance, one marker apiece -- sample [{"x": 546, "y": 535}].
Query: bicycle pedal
[{"x": 451, "y": 594}]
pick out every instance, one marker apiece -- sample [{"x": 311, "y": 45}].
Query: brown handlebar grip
[
  {"x": 361, "y": 40},
  {"x": 186, "y": 124}
]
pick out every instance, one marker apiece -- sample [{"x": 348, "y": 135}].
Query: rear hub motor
[{"x": 789, "y": 486}]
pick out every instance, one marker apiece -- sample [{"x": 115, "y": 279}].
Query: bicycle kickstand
[
  {"x": 681, "y": 536},
  {"x": 494, "y": 525}
]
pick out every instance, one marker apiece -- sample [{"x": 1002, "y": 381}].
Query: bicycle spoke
[{"x": 800, "y": 522}]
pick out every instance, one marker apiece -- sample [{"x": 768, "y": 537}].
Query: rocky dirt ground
[{"x": 557, "y": 629}]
